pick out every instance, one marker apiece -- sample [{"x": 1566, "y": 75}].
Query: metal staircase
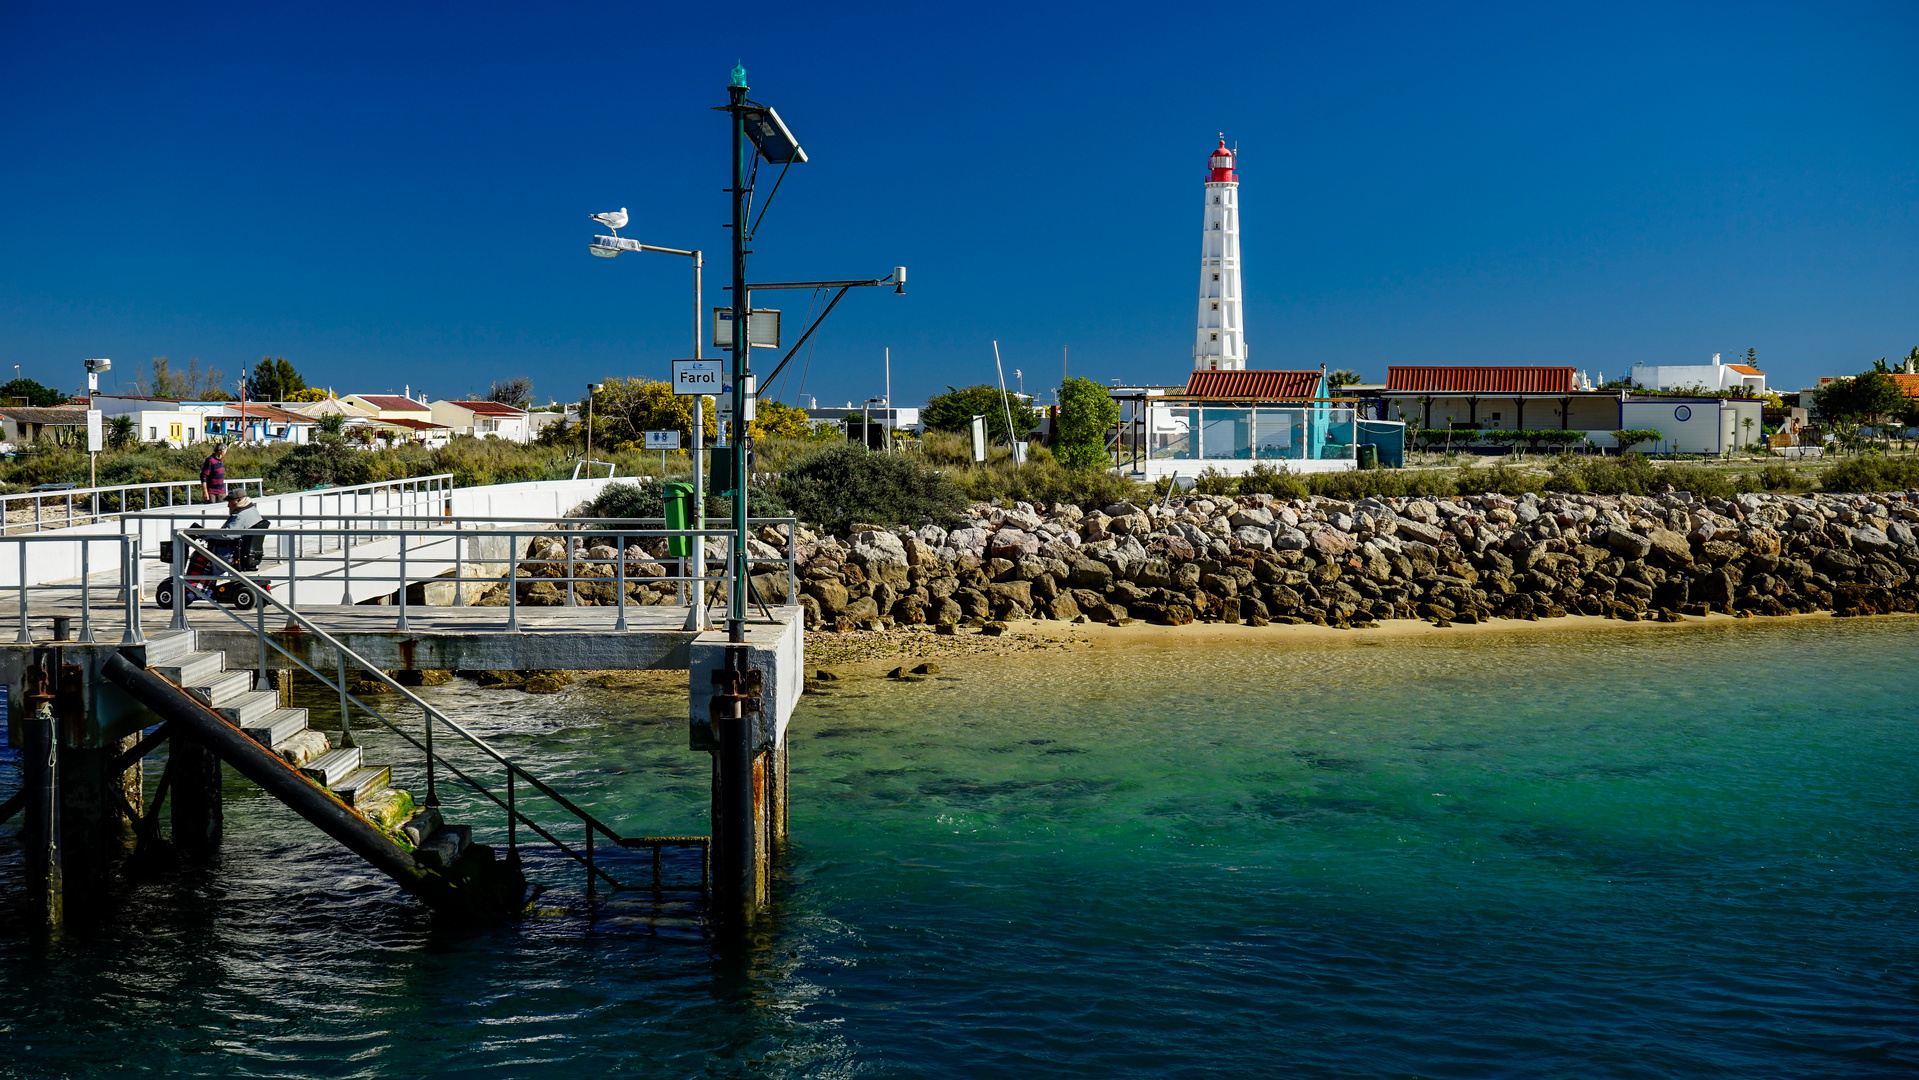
[
  {"x": 274, "y": 747},
  {"x": 354, "y": 800}
]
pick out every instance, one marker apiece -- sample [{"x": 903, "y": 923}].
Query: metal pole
[
  {"x": 619, "y": 559},
  {"x": 179, "y": 582},
  {"x": 512, "y": 583},
  {"x": 41, "y": 757},
  {"x": 346, "y": 716},
  {"x": 402, "y": 625},
  {"x": 86, "y": 594},
  {"x": 742, "y": 311},
  {"x": 131, "y": 588},
  {"x": 26, "y": 636}
]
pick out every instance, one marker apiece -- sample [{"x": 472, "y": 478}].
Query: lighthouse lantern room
[{"x": 1221, "y": 341}]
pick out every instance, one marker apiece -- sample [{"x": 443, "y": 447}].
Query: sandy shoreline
[{"x": 875, "y": 652}]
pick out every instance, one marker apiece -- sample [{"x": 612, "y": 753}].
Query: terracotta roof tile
[
  {"x": 1481, "y": 380},
  {"x": 394, "y": 403},
  {"x": 1745, "y": 369},
  {"x": 1908, "y": 384},
  {"x": 488, "y": 408},
  {"x": 1263, "y": 385}
]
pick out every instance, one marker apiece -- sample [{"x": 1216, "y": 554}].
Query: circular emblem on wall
[{"x": 1683, "y": 413}]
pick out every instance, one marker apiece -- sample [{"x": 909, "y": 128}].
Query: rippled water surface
[{"x": 1645, "y": 853}]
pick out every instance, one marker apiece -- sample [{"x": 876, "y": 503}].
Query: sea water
[{"x": 1658, "y": 852}]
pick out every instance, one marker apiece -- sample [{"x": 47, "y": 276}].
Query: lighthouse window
[
  {"x": 1215, "y": 200},
  {"x": 1215, "y": 305},
  {"x": 1215, "y": 277},
  {"x": 1215, "y": 337},
  {"x": 1215, "y": 225}
]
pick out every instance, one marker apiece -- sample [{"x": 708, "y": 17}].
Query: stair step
[
  {"x": 276, "y": 727},
  {"x": 334, "y": 766},
  {"x": 169, "y": 645},
  {"x": 421, "y": 826},
  {"x": 222, "y": 688},
  {"x": 444, "y": 847},
  {"x": 192, "y": 669},
  {"x": 245, "y": 708},
  {"x": 362, "y": 782}
]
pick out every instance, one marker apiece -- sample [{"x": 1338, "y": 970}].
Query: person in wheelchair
[{"x": 240, "y": 552}]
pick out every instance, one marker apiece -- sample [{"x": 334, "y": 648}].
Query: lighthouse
[{"x": 1221, "y": 341}]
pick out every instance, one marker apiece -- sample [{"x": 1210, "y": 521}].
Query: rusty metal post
[
  {"x": 46, "y": 871},
  {"x": 739, "y": 859}
]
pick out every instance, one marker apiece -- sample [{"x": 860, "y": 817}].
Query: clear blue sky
[{"x": 388, "y": 196}]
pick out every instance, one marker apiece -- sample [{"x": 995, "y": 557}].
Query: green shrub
[
  {"x": 1871, "y": 474},
  {"x": 840, "y": 484},
  {"x": 646, "y": 500},
  {"x": 324, "y": 462},
  {"x": 1086, "y": 414}
]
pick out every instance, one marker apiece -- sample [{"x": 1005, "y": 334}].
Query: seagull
[{"x": 612, "y": 219}]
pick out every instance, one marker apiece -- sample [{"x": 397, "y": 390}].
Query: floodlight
[
  {"x": 99, "y": 365},
  {"x": 769, "y": 134}
]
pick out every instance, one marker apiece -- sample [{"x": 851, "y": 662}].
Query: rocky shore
[{"x": 1260, "y": 560}]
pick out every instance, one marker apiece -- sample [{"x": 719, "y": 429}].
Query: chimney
[{"x": 1715, "y": 359}]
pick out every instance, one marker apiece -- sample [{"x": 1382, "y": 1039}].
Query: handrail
[
  {"x": 341, "y": 567},
  {"x": 93, "y": 512},
  {"x": 430, "y": 714},
  {"x": 129, "y": 585}
]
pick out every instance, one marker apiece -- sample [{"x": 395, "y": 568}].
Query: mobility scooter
[{"x": 243, "y": 553}]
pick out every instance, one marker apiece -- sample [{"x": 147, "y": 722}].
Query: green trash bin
[
  {"x": 1368, "y": 456},
  {"x": 679, "y": 515}
]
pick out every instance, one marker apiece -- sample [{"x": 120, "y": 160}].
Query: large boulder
[
  {"x": 1670, "y": 544},
  {"x": 1290, "y": 539},
  {"x": 1012, "y": 544},
  {"x": 1333, "y": 542},
  {"x": 1091, "y": 575},
  {"x": 1627, "y": 544},
  {"x": 967, "y": 541},
  {"x": 1257, "y": 516},
  {"x": 1253, "y": 537},
  {"x": 1407, "y": 528}
]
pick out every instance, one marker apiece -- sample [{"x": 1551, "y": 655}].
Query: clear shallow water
[{"x": 1674, "y": 853}]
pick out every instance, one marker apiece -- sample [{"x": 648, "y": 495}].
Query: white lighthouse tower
[{"x": 1221, "y": 342}]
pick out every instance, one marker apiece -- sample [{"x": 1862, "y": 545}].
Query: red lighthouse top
[{"x": 1221, "y": 164}]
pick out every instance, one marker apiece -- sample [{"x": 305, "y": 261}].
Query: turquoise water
[{"x": 1641, "y": 853}]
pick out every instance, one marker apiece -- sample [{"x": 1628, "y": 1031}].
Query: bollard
[{"x": 63, "y": 628}]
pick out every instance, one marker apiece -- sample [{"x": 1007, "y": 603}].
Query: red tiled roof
[
  {"x": 1745, "y": 369},
  {"x": 416, "y": 425},
  {"x": 1481, "y": 380},
  {"x": 394, "y": 403},
  {"x": 255, "y": 411},
  {"x": 1908, "y": 384},
  {"x": 1264, "y": 385},
  {"x": 488, "y": 408}
]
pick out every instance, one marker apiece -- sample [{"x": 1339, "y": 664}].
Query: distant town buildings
[{"x": 1711, "y": 378}]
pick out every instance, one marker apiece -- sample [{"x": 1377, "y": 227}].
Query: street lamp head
[
  {"x": 899, "y": 280},
  {"x": 99, "y": 365},
  {"x": 603, "y": 252}
]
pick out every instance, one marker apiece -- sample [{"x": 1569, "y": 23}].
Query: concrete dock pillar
[
  {"x": 198, "y": 812},
  {"x": 46, "y": 874}
]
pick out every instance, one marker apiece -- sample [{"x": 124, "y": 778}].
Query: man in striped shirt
[{"x": 213, "y": 474}]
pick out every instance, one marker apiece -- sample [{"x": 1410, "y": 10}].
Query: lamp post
[
  {"x": 609, "y": 246},
  {"x": 591, "y": 389}
]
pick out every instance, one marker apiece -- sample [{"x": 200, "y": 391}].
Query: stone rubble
[{"x": 1259, "y": 559}]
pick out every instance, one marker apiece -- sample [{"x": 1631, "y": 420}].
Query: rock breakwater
[{"x": 1259, "y": 559}]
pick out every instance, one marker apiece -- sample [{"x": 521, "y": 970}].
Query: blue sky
[{"x": 392, "y": 197}]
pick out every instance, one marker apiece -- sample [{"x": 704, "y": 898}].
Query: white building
[
  {"x": 484, "y": 420},
  {"x": 1220, "y": 344},
  {"x": 164, "y": 420},
  {"x": 1709, "y": 377},
  {"x": 1715, "y": 426}
]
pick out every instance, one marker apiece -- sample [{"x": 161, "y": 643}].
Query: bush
[
  {"x": 645, "y": 500},
  {"x": 325, "y": 462},
  {"x": 1871, "y": 474},
  {"x": 1086, "y": 414},
  {"x": 838, "y": 485}
]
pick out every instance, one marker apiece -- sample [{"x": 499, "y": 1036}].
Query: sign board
[
  {"x": 662, "y": 440},
  {"x": 763, "y": 328},
  {"x": 692, "y": 378},
  {"x": 726, "y": 399},
  {"x": 96, "y": 434},
  {"x": 979, "y": 438}
]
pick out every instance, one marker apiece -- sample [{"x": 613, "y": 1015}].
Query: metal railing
[
  {"x": 125, "y": 581},
  {"x": 351, "y": 564},
  {"x": 434, "y": 758},
  {"x": 413, "y": 500},
  {"x": 98, "y": 502}
]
